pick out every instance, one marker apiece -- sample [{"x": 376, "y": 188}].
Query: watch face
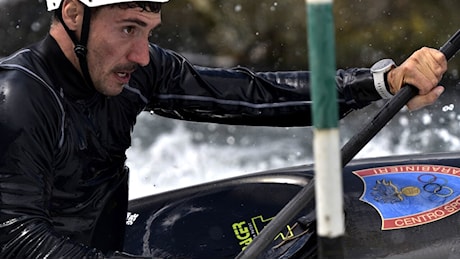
[{"x": 382, "y": 65}]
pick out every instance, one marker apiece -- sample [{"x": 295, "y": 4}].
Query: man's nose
[{"x": 139, "y": 53}]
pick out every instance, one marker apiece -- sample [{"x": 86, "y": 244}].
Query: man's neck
[{"x": 58, "y": 32}]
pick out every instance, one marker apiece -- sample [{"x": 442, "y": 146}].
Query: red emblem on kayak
[{"x": 411, "y": 195}]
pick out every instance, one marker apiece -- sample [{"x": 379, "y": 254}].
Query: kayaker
[{"x": 69, "y": 103}]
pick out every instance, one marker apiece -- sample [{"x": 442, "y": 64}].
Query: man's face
[{"x": 117, "y": 44}]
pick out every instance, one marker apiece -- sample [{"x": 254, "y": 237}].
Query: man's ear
[{"x": 72, "y": 14}]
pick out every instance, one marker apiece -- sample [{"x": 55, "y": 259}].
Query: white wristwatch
[{"x": 379, "y": 69}]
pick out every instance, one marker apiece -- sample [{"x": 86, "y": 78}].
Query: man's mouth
[
  {"x": 123, "y": 77},
  {"x": 122, "y": 74}
]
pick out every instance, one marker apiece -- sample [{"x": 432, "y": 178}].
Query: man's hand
[{"x": 423, "y": 69}]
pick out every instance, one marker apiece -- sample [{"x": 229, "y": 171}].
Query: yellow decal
[{"x": 246, "y": 231}]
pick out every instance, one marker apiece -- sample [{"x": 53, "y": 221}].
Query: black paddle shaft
[
  {"x": 350, "y": 149},
  {"x": 393, "y": 106}
]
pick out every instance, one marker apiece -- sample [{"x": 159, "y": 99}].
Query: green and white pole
[{"x": 326, "y": 145}]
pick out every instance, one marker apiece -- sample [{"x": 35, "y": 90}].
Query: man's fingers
[
  {"x": 425, "y": 100},
  {"x": 424, "y": 69}
]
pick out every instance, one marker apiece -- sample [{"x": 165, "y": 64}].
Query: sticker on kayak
[
  {"x": 411, "y": 195},
  {"x": 245, "y": 232}
]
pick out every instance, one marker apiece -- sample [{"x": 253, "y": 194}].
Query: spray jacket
[{"x": 63, "y": 179}]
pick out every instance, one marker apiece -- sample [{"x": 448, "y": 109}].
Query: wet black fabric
[{"x": 63, "y": 179}]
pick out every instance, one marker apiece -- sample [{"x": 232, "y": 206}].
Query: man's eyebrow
[{"x": 136, "y": 21}]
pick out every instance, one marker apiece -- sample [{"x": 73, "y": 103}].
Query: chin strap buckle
[{"x": 81, "y": 51}]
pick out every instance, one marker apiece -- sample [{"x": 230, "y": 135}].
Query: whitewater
[{"x": 169, "y": 154}]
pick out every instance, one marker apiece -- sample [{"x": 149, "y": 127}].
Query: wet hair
[{"x": 145, "y": 6}]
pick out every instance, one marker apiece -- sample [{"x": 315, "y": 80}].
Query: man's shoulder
[
  {"x": 23, "y": 68},
  {"x": 23, "y": 79},
  {"x": 21, "y": 56}
]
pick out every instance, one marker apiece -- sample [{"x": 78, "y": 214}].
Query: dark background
[{"x": 269, "y": 35}]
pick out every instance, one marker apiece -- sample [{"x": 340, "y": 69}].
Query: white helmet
[{"x": 54, "y": 4}]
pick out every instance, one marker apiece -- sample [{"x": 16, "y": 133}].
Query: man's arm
[
  {"x": 29, "y": 139},
  {"x": 241, "y": 96}
]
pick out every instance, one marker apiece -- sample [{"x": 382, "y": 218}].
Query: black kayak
[{"x": 395, "y": 207}]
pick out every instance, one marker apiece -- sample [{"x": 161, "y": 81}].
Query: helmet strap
[{"x": 80, "y": 48}]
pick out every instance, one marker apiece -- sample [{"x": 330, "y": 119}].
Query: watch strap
[{"x": 380, "y": 86}]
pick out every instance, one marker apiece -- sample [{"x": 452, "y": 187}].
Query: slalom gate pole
[
  {"x": 326, "y": 144},
  {"x": 328, "y": 165}
]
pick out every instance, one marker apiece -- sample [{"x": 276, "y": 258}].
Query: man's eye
[{"x": 128, "y": 30}]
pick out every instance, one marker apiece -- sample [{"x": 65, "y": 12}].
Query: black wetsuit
[{"x": 63, "y": 179}]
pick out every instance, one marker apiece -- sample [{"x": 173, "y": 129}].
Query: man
[{"x": 69, "y": 103}]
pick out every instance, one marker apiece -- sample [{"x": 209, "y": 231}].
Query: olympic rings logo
[{"x": 433, "y": 187}]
